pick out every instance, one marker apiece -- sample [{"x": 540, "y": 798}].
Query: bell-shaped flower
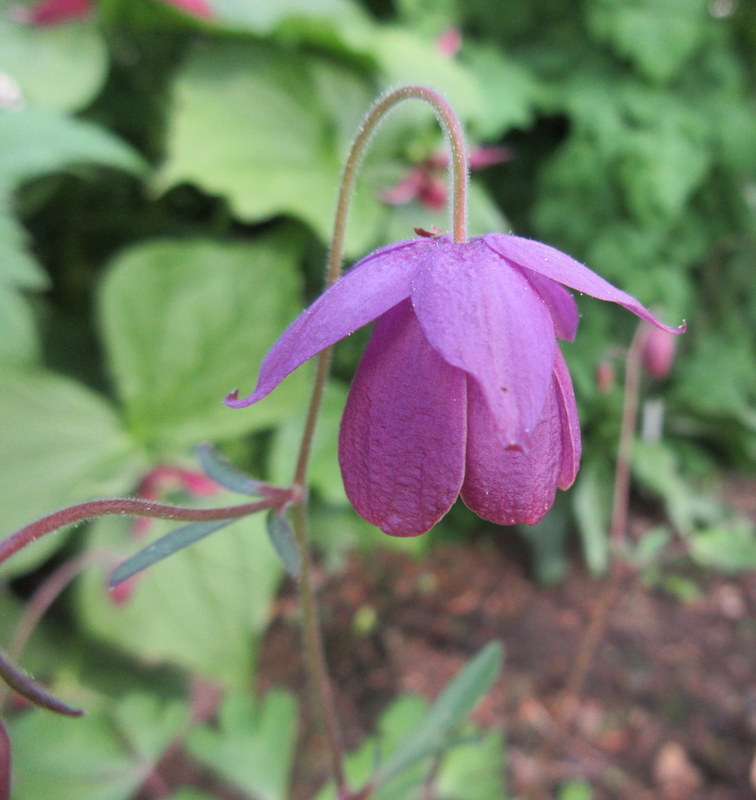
[{"x": 462, "y": 389}]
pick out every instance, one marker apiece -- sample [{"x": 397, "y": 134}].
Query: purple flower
[{"x": 462, "y": 389}]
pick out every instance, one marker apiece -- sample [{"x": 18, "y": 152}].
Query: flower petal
[
  {"x": 484, "y": 317},
  {"x": 509, "y": 486},
  {"x": 570, "y": 424},
  {"x": 402, "y": 440},
  {"x": 561, "y": 304},
  {"x": 375, "y": 284},
  {"x": 552, "y": 263}
]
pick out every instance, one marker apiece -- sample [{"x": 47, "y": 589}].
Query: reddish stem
[{"x": 277, "y": 498}]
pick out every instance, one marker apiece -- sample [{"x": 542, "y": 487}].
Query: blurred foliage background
[{"x": 168, "y": 172}]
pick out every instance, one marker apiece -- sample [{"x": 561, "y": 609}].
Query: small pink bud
[
  {"x": 54, "y": 12},
  {"x": 449, "y": 42},
  {"x": 658, "y": 353},
  {"x": 121, "y": 594},
  {"x": 604, "y": 377},
  {"x": 197, "y": 8}
]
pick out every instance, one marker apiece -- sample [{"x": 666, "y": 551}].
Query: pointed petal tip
[{"x": 232, "y": 400}]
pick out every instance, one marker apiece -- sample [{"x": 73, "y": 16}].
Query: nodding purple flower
[{"x": 462, "y": 389}]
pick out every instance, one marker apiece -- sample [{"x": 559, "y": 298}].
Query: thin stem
[
  {"x": 314, "y": 650},
  {"x": 458, "y": 171},
  {"x": 40, "y": 602},
  {"x": 633, "y": 364}
]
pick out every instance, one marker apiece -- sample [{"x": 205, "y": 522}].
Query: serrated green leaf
[
  {"x": 60, "y": 443},
  {"x": 657, "y": 38},
  {"x": 105, "y": 755},
  {"x": 58, "y": 66},
  {"x": 248, "y": 126},
  {"x": 185, "y": 322},
  {"x": 37, "y": 141},
  {"x": 406, "y": 58},
  {"x": 253, "y": 745},
  {"x": 456, "y": 701},
  {"x": 203, "y": 609}
]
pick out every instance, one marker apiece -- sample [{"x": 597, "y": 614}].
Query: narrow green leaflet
[
  {"x": 60, "y": 67},
  {"x": 60, "y": 443},
  {"x": 186, "y": 322},
  {"x": 166, "y": 546},
  {"x": 282, "y": 538},
  {"x": 224, "y": 473},
  {"x": 253, "y": 744},
  {"x": 204, "y": 608},
  {"x": 36, "y": 141},
  {"x": 105, "y": 755},
  {"x": 456, "y": 701}
]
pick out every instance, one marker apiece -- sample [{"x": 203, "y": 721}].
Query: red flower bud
[{"x": 658, "y": 352}]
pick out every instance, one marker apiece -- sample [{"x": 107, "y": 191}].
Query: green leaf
[
  {"x": 249, "y": 126},
  {"x": 474, "y": 770},
  {"x": 456, "y": 701},
  {"x": 36, "y": 142},
  {"x": 284, "y": 542},
  {"x": 406, "y": 58},
  {"x": 19, "y": 340},
  {"x": 470, "y": 769},
  {"x": 306, "y": 15},
  {"x": 17, "y": 266},
  {"x": 395, "y": 723},
  {"x": 655, "y": 465},
  {"x": 166, "y": 546},
  {"x": 730, "y": 548},
  {"x": 186, "y": 322},
  {"x": 592, "y": 502},
  {"x": 658, "y": 39},
  {"x": 253, "y": 744},
  {"x": 224, "y": 473},
  {"x": 509, "y": 90},
  {"x": 60, "y": 443},
  {"x": 59, "y": 66},
  {"x": 203, "y": 609},
  {"x": 105, "y": 755}
]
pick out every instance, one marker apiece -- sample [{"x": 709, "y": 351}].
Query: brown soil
[{"x": 668, "y": 705}]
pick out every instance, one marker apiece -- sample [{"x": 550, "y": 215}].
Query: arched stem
[{"x": 314, "y": 650}]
